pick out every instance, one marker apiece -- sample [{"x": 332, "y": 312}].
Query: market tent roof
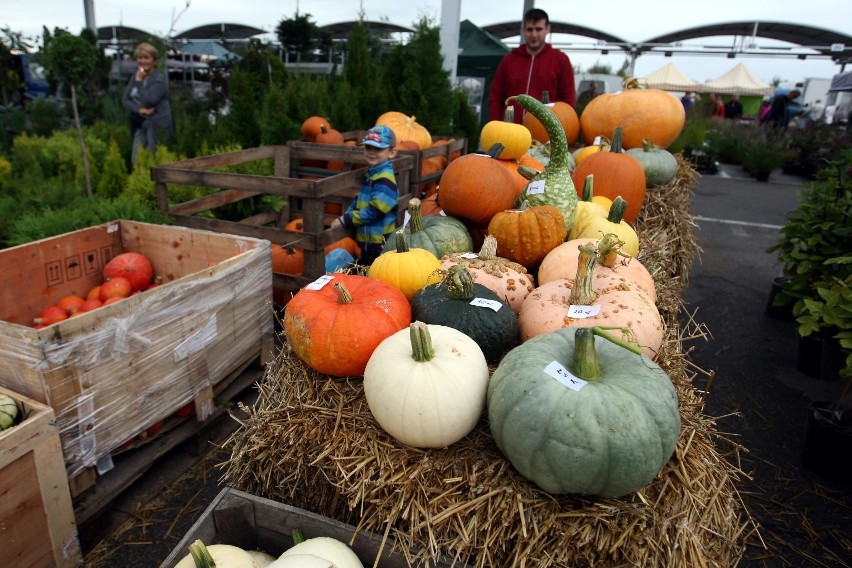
[
  {"x": 669, "y": 78},
  {"x": 208, "y": 48},
  {"x": 737, "y": 81},
  {"x": 221, "y": 31},
  {"x": 841, "y": 82}
]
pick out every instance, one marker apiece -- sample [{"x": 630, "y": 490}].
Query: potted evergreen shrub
[{"x": 763, "y": 152}]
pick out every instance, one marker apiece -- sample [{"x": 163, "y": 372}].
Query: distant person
[
  {"x": 147, "y": 99},
  {"x": 734, "y": 108},
  {"x": 688, "y": 100},
  {"x": 531, "y": 69},
  {"x": 777, "y": 116},
  {"x": 714, "y": 107}
]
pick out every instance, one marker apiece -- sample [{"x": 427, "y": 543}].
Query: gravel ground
[{"x": 757, "y": 393}]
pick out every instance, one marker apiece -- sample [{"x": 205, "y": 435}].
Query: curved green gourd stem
[
  {"x": 401, "y": 241},
  {"x": 588, "y": 187},
  {"x": 459, "y": 283},
  {"x": 421, "y": 342},
  {"x": 559, "y": 188},
  {"x": 509, "y": 114},
  {"x": 582, "y": 293},
  {"x": 616, "y": 210},
  {"x": 415, "y": 223}
]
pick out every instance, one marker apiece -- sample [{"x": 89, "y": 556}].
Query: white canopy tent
[
  {"x": 669, "y": 78},
  {"x": 738, "y": 81}
]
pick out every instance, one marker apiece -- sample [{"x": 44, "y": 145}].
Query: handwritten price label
[
  {"x": 564, "y": 376},
  {"x": 583, "y": 312},
  {"x": 483, "y": 303},
  {"x": 470, "y": 255},
  {"x": 319, "y": 282},
  {"x": 535, "y": 187}
]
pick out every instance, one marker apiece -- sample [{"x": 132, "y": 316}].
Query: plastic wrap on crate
[{"x": 113, "y": 372}]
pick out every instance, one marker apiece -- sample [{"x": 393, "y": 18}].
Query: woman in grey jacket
[{"x": 147, "y": 99}]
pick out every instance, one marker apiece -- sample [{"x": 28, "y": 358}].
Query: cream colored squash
[
  {"x": 224, "y": 555},
  {"x": 426, "y": 386},
  {"x": 302, "y": 561},
  {"x": 327, "y": 548},
  {"x": 262, "y": 559}
]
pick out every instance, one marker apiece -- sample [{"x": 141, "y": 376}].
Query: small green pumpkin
[
  {"x": 575, "y": 416},
  {"x": 439, "y": 234},
  {"x": 489, "y": 321},
  {"x": 659, "y": 164},
  {"x": 8, "y": 411}
]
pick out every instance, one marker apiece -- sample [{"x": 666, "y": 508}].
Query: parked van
[{"x": 603, "y": 83}]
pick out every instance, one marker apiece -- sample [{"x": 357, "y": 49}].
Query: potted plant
[{"x": 763, "y": 152}]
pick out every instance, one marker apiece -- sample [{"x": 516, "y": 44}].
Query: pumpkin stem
[
  {"x": 587, "y": 366},
  {"x": 200, "y": 555},
  {"x": 401, "y": 241},
  {"x": 528, "y": 172},
  {"x": 599, "y": 330},
  {"x": 545, "y": 97},
  {"x": 582, "y": 293},
  {"x": 344, "y": 296},
  {"x": 459, "y": 283},
  {"x": 647, "y": 145},
  {"x": 495, "y": 150},
  {"x": 615, "y": 145},
  {"x": 298, "y": 537},
  {"x": 609, "y": 249},
  {"x": 509, "y": 114},
  {"x": 588, "y": 187},
  {"x": 422, "y": 349},
  {"x": 489, "y": 248},
  {"x": 616, "y": 210},
  {"x": 416, "y": 220}
]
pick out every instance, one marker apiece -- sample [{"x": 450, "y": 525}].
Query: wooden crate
[
  {"x": 304, "y": 198},
  {"x": 254, "y": 523},
  {"x": 111, "y": 373},
  {"x": 37, "y": 526}
]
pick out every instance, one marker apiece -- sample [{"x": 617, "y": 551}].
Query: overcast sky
[{"x": 630, "y": 20}]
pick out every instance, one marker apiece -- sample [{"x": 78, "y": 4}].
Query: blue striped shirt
[{"x": 373, "y": 213}]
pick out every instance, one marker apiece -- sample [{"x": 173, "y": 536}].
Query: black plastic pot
[
  {"x": 828, "y": 442},
  {"x": 809, "y": 355},
  {"x": 779, "y": 312},
  {"x": 832, "y": 358}
]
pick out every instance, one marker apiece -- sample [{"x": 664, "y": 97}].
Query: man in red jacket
[{"x": 532, "y": 68}]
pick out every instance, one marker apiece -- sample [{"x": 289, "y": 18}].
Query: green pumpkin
[
  {"x": 659, "y": 164},
  {"x": 8, "y": 411},
  {"x": 494, "y": 329},
  {"x": 608, "y": 436},
  {"x": 439, "y": 234}
]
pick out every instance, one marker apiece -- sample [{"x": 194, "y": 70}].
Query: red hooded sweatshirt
[{"x": 521, "y": 73}]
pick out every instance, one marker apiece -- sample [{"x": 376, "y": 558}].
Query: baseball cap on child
[{"x": 380, "y": 137}]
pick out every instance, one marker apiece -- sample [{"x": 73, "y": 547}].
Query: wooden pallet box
[
  {"x": 303, "y": 197},
  {"x": 37, "y": 525},
  {"x": 254, "y": 523},
  {"x": 111, "y": 373}
]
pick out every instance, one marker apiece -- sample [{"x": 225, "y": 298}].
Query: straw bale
[{"x": 311, "y": 441}]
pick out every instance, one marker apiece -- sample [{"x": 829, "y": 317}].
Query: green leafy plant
[{"x": 763, "y": 151}]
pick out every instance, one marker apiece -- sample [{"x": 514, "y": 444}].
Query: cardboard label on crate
[
  {"x": 583, "y": 312},
  {"x": 197, "y": 341},
  {"x": 535, "y": 187},
  {"x": 564, "y": 376},
  {"x": 484, "y": 303}
]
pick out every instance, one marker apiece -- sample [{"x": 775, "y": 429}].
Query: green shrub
[
  {"x": 26, "y": 163},
  {"x": 113, "y": 174}
]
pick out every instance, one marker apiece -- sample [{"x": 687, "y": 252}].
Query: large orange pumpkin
[
  {"x": 642, "y": 113},
  {"x": 475, "y": 187},
  {"x": 567, "y": 117},
  {"x": 616, "y": 174},
  {"x": 336, "y": 328}
]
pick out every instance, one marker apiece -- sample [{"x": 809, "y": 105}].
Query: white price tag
[
  {"x": 319, "y": 282},
  {"x": 470, "y": 255},
  {"x": 405, "y": 219},
  {"x": 535, "y": 187},
  {"x": 597, "y": 141},
  {"x": 442, "y": 213},
  {"x": 483, "y": 303},
  {"x": 564, "y": 376},
  {"x": 583, "y": 312}
]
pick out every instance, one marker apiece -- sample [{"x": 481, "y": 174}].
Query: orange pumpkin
[
  {"x": 346, "y": 243},
  {"x": 581, "y": 154},
  {"x": 288, "y": 260},
  {"x": 565, "y": 114},
  {"x": 642, "y": 113},
  {"x": 326, "y": 327},
  {"x": 525, "y": 160},
  {"x": 526, "y": 236},
  {"x": 431, "y": 167},
  {"x": 312, "y": 126},
  {"x": 475, "y": 187},
  {"x": 616, "y": 174},
  {"x": 430, "y": 206},
  {"x": 328, "y": 135}
]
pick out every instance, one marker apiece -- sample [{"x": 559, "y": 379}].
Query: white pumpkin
[
  {"x": 426, "y": 386},
  {"x": 302, "y": 561},
  {"x": 224, "y": 556},
  {"x": 327, "y": 548},
  {"x": 262, "y": 559}
]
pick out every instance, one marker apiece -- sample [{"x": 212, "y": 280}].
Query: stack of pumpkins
[{"x": 555, "y": 269}]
